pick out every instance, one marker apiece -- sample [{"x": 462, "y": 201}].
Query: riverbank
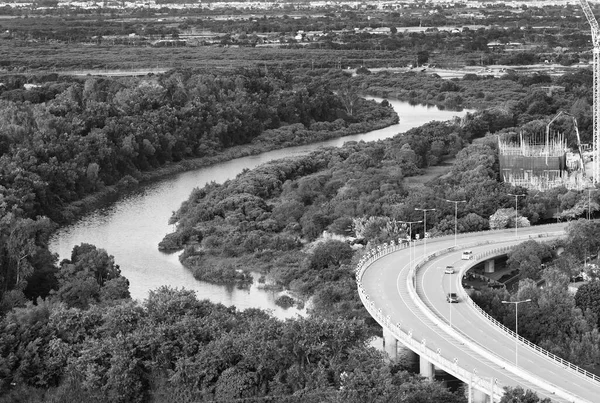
[
  {"x": 271, "y": 220},
  {"x": 131, "y": 228},
  {"x": 234, "y": 267},
  {"x": 129, "y": 184}
]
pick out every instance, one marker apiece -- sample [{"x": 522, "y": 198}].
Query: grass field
[{"x": 420, "y": 181}]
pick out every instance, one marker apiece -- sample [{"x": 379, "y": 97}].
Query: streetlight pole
[
  {"x": 450, "y": 277},
  {"x": 455, "y": 215},
  {"x": 410, "y": 223},
  {"x": 516, "y": 212},
  {"x": 425, "y": 210},
  {"x": 516, "y": 327},
  {"x": 589, "y": 204}
]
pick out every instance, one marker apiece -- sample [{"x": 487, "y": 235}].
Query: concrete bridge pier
[
  {"x": 489, "y": 266},
  {"x": 476, "y": 396},
  {"x": 480, "y": 397},
  {"x": 426, "y": 369},
  {"x": 398, "y": 352},
  {"x": 390, "y": 344}
]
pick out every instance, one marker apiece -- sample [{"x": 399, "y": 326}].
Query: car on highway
[
  {"x": 452, "y": 297},
  {"x": 467, "y": 255},
  {"x": 449, "y": 270}
]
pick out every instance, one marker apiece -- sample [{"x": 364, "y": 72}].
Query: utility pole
[
  {"x": 410, "y": 223},
  {"x": 455, "y": 215},
  {"x": 516, "y": 303},
  {"x": 516, "y": 212},
  {"x": 425, "y": 210}
]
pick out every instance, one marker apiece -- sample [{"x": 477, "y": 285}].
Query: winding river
[{"x": 131, "y": 229}]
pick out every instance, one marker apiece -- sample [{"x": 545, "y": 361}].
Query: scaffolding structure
[{"x": 540, "y": 162}]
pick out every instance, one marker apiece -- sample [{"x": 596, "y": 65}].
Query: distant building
[
  {"x": 553, "y": 89},
  {"x": 540, "y": 164},
  {"x": 169, "y": 42}
]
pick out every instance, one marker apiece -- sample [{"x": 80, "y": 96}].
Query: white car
[
  {"x": 449, "y": 270},
  {"x": 467, "y": 255},
  {"x": 452, "y": 297}
]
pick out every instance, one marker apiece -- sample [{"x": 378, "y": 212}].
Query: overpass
[{"x": 404, "y": 289}]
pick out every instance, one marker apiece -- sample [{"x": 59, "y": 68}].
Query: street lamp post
[
  {"x": 425, "y": 210},
  {"x": 455, "y": 215},
  {"x": 450, "y": 277},
  {"x": 410, "y": 223},
  {"x": 516, "y": 212},
  {"x": 516, "y": 303},
  {"x": 589, "y": 204}
]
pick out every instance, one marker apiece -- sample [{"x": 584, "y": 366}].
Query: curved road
[{"x": 458, "y": 332}]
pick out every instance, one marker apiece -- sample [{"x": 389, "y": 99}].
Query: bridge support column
[
  {"x": 426, "y": 368},
  {"x": 489, "y": 266},
  {"x": 390, "y": 345},
  {"x": 476, "y": 396},
  {"x": 480, "y": 397},
  {"x": 397, "y": 352}
]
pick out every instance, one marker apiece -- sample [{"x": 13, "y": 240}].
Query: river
[{"x": 131, "y": 228}]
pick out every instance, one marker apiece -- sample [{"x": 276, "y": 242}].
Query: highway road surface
[{"x": 459, "y": 332}]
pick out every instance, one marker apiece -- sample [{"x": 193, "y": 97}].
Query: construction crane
[
  {"x": 579, "y": 152},
  {"x": 587, "y": 10}
]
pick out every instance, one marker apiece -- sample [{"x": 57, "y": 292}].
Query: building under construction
[{"x": 541, "y": 162}]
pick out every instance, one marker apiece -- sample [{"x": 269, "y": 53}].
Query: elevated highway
[{"x": 404, "y": 289}]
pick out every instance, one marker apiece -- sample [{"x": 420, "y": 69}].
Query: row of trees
[
  {"x": 513, "y": 100},
  {"x": 175, "y": 348},
  {"x": 89, "y": 276}
]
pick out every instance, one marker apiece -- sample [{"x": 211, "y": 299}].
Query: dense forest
[
  {"x": 66, "y": 139},
  {"x": 175, "y": 348},
  {"x": 70, "y": 330}
]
